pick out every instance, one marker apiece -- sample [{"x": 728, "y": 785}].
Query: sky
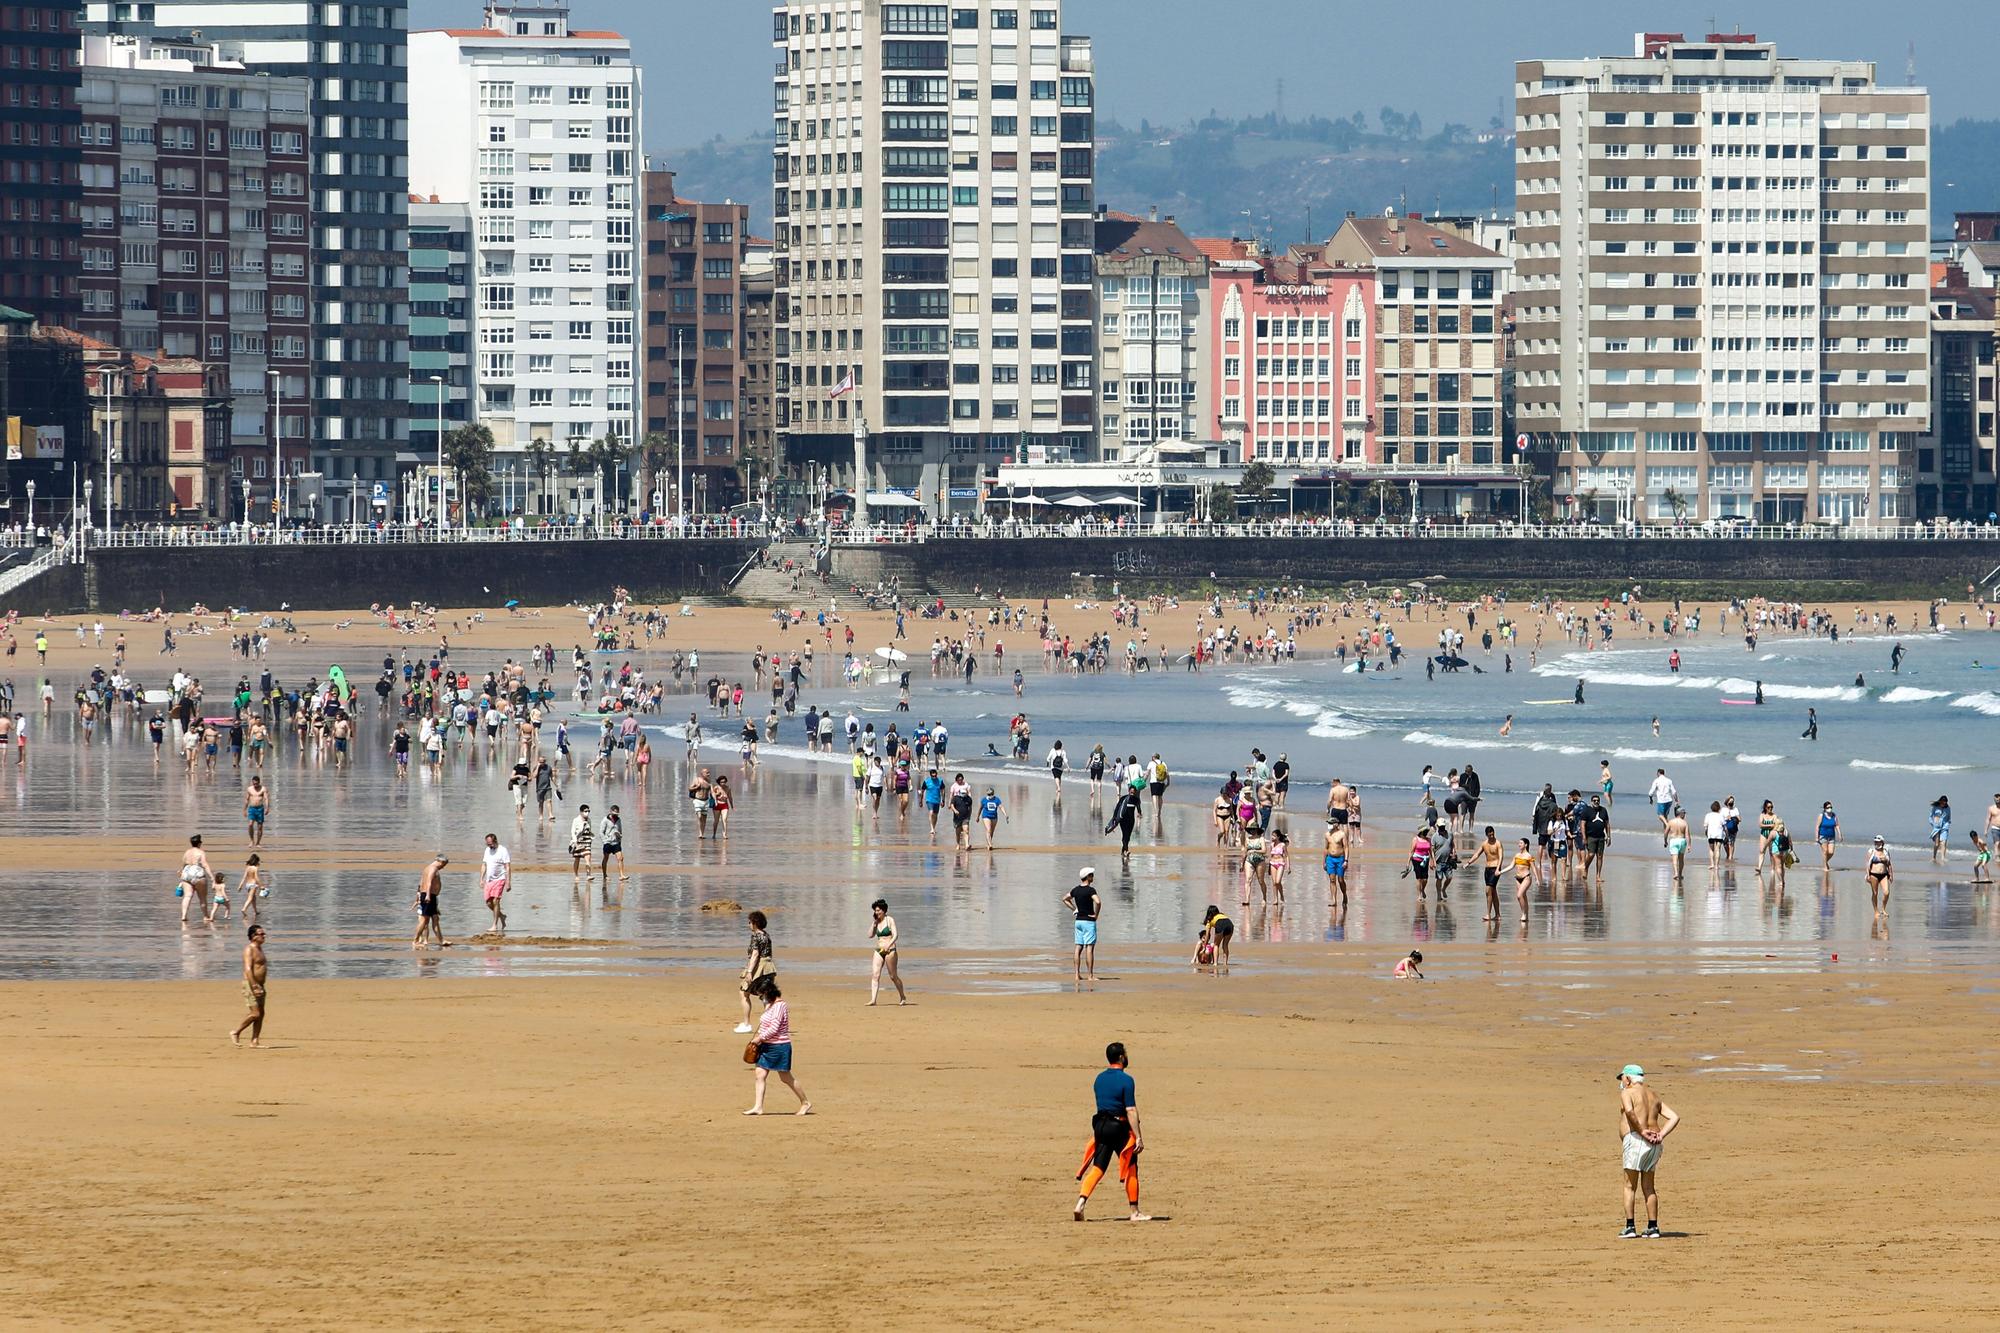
[{"x": 708, "y": 62}]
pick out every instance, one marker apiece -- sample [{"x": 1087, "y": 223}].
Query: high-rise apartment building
[
  {"x": 1720, "y": 281},
  {"x": 764, "y": 473},
  {"x": 534, "y": 126},
  {"x": 934, "y": 204},
  {"x": 694, "y": 346},
  {"x": 442, "y": 259},
  {"x": 1153, "y": 336},
  {"x": 41, "y": 53},
  {"x": 196, "y": 235},
  {"x": 352, "y": 56}
]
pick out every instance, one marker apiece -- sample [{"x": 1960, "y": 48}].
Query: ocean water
[{"x": 95, "y": 833}]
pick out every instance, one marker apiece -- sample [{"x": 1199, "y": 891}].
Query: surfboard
[
  {"x": 1351, "y": 668},
  {"x": 1738, "y": 703},
  {"x": 158, "y": 696},
  {"x": 1544, "y": 703}
]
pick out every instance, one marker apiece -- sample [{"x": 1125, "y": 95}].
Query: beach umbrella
[
  {"x": 1076, "y": 502},
  {"x": 892, "y": 654},
  {"x": 512, "y": 602},
  {"x": 1119, "y": 502},
  {"x": 1029, "y": 500}
]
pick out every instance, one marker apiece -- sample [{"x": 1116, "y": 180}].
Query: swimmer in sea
[{"x": 1507, "y": 727}]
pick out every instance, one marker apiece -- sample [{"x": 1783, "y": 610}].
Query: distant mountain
[{"x": 1210, "y": 173}]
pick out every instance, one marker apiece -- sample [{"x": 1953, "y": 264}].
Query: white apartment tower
[
  {"x": 1721, "y": 261},
  {"x": 934, "y": 231},
  {"x": 534, "y": 126}
]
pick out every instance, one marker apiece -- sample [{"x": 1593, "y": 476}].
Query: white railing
[
  {"x": 416, "y": 534},
  {"x": 903, "y": 535},
  {"x": 17, "y": 572}
]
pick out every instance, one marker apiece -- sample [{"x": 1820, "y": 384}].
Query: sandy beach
[{"x": 1322, "y": 1143}]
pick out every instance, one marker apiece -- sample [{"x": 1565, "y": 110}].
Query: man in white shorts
[{"x": 1644, "y": 1121}]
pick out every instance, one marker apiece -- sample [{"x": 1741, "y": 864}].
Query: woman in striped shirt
[{"x": 774, "y": 1046}]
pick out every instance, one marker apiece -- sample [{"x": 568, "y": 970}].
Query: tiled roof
[
  {"x": 1221, "y": 250},
  {"x": 1394, "y": 237},
  {"x": 1126, "y": 237}
]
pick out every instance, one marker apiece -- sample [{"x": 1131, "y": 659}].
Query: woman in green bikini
[{"x": 883, "y": 938}]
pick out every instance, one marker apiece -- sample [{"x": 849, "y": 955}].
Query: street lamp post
[
  {"x": 31, "y": 513},
  {"x": 246, "y": 506},
  {"x": 105, "y": 375},
  {"x": 277, "y": 455},
  {"x": 437, "y": 390},
  {"x": 1413, "y": 501}
]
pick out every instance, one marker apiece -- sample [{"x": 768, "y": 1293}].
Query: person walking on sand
[
  {"x": 611, "y": 842},
  {"x": 1490, "y": 853},
  {"x": 1083, "y": 901},
  {"x": 991, "y": 810},
  {"x": 1644, "y": 1121},
  {"x": 1336, "y": 860},
  {"x": 581, "y": 837},
  {"x": 773, "y": 1047},
  {"x": 496, "y": 872},
  {"x": 430, "y": 920},
  {"x": 758, "y": 965},
  {"x": 197, "y": 877},
  {"x": 1881, "y": 876},
  {"x": 256, "y": 984},
  {"x": 1115, "y": 1133},
  {"x": 256, "y": 803},
  {"x": 882, "y": 937},
  {"x": 252, "y": 888}
]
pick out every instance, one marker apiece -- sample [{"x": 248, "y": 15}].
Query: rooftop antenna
[{"x": 1910, "y": 67}]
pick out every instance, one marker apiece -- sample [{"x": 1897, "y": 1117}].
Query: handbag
[{"x": 749, "y": 1052}]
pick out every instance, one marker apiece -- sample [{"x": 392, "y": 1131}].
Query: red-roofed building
[
  {"x": 1153, "y": 338},
  {"x": 165, "y": 420}
]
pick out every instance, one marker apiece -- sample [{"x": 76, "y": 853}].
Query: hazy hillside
[{"x": 1210, "y": 173}]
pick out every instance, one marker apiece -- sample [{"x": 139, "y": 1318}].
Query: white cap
[{"x": 1088, "y": 872}]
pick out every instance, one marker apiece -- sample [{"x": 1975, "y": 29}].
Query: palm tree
[{"x": 542, "y": 456}]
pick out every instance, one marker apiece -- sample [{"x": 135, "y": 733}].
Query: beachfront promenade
[{"x": 334, "y": 566}]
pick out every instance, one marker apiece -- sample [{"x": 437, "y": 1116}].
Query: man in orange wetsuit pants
[{"x": 1114, "y": 1132}]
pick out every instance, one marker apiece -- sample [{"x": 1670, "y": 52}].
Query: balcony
[{"x": 1076, "y": 56}]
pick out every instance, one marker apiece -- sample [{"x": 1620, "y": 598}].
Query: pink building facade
[{"x": 1293, "y": 340}]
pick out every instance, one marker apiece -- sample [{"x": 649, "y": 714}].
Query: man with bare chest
[{"x": 1644, "y": 1121}]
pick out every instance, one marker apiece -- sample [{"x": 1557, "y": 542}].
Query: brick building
[
  {"x": 694, "y": 345},
  {"x": 41, "y": 52},
  {"x": 197, "y": 233}
]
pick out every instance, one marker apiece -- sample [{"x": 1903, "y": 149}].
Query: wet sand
[{"x": 1325, "y": 1143}]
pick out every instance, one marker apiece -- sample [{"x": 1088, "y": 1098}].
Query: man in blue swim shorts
[
  {"x": 1336, "y": 860},
  {"x": 1083, "y": 900}
]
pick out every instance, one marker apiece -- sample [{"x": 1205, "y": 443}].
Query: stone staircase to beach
[{"x": 770, "y": 583}]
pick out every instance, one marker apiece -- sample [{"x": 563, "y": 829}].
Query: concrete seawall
[
  {"x": 554, "y": 573},
  {"x": 334, "y": 577},
  {"x": 1049, "y": 567}
]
